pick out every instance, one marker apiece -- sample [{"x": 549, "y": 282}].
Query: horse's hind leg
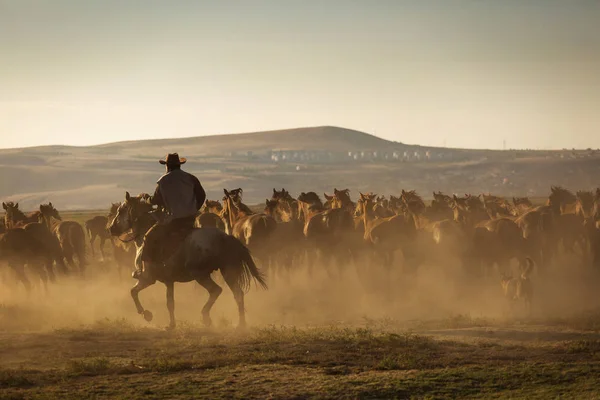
[
  {"x": 171, "y": 303},
  {"x": 238, "y": 295},
  {"x": 92, "y": 239},
  {"x": 102, "y": 241},
  {"x": 214, "y": 291},
  {"x": 49, "y": 269}
]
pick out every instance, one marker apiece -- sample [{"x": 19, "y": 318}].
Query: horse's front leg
[
  {"x": 139, "y": 286},
  {"x": 171, "y": 303}
]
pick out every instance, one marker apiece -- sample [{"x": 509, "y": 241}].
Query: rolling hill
[{"x": 301, "y": 159}]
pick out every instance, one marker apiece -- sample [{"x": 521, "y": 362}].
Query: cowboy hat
[{"x": 173, "y": 159}]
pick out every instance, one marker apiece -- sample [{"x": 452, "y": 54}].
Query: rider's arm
[
  {"x": 199, "y": 192},
  {"x": 157, "y": 199}
]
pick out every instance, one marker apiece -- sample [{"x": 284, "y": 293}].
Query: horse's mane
[
  {"x": 242, "y": 207},
  {"x": 559, "y": 191},
  {"x": 585, "y": 196},
  {"x": 411, "y": 196},
  {"x": 310, "y": 198}
]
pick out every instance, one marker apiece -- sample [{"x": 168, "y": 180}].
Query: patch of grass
[
  {"x": 91, "y": 367},
  {"x": 591, "y": 347},
  {"x": 167, "y": 365},
  {"x": 14, "y": 379}
]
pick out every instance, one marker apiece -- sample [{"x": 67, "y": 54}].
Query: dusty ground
[
  {"x": 307, "y": 338},
  {"x": 433, "y": 335}
]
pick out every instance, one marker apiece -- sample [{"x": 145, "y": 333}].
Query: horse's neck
[
  {"x": 51, "y": 222},
  {"x": 141, "y": 225},
  {"x": 368, "y": 216},
  {"x": 420, "y": 220}
]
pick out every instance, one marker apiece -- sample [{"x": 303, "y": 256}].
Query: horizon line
[{"x": 288, "y": 129}]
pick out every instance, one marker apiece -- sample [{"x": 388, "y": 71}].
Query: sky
[{"x": 459, "y": 73}]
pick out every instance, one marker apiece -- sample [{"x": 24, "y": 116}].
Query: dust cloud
[{"x": 353, "y": 296}]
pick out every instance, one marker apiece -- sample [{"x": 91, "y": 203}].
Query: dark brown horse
[
  {"x": 19, "y": 249},
  {"x": 70, "y": 235},
  {"x": 49, "y": 245},
  {"x": 288, "y": 244},
  {"x": 96, "y": 228},
  {"x": 203, "y": 251}
]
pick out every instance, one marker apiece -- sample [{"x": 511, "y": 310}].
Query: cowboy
[{"x": 180, "y": 195}]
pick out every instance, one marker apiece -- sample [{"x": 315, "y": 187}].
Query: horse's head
[
  {"x": 460, "y": 207},
  {"x": 11, "y": 210},
  {"x": 367, "y": 202},
  {"x": 559, "y": 197},
  {"x": 235, "y": 195},
  {"x": 127, "y": 213},
  {"x": 270, "y": 206},
  {"x": 213, "y": 206},
  {"x": 48, "y": 210}
]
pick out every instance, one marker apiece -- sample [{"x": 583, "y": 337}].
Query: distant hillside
[
  {"x": 318, "y": 158},
  {"x": 317, "y": 138}
]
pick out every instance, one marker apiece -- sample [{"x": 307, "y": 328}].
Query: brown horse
[
  {"x": 70, "y": 235},
  {"x": 288, "y": 243},
  {"x": 494, "y": 241},
  {"x": 329, "y": 232},
  {"x": 254, "y": 230},
  {"x": 498, "y": 207},
  {"x": 123, "y": 251},
  {"x": 96, "y": 228},
  {"x": 49, "y": 245},
  {"x": 15, "y": 217},
  {"x": 522, "y": 205},
  {"x": 19, "y": 248},
  {"x": 210, "y": 216},
  {"x": 203, "y": 251},
  {"x": 386, "y": 235}
]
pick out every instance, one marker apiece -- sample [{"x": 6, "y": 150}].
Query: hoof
[
  {"x": 169, "y": 328},
  {"x": 207, "y": 322},
  {"x": 147, "y": 315}
]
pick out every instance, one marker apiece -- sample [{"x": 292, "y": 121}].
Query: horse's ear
[
  {"x": 41, "y": 207},
  {"x": 454, "y": 197},
  {"x": 50, "y": 204},
  {"x": 267, "y": 201},
  {"x": 274, "y": 191},
  {"x": 335, "y": 191},
  {"x": 226, "y": 192},
  {"x": 4, "y": 205},
  {"x": 327, "y": 197},
  {"x": 403, "y": 192},
  {"x": 127, "y": 196}
]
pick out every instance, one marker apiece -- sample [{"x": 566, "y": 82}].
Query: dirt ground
[{"x": 432, "y": 335}]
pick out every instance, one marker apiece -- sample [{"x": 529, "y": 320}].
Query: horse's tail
[{"x": 242, "y": 267}]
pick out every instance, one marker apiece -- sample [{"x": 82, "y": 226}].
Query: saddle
[{"x": 173, "y": 240}]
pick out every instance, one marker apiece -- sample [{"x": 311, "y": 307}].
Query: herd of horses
[{"x": 480, "y": 233}]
